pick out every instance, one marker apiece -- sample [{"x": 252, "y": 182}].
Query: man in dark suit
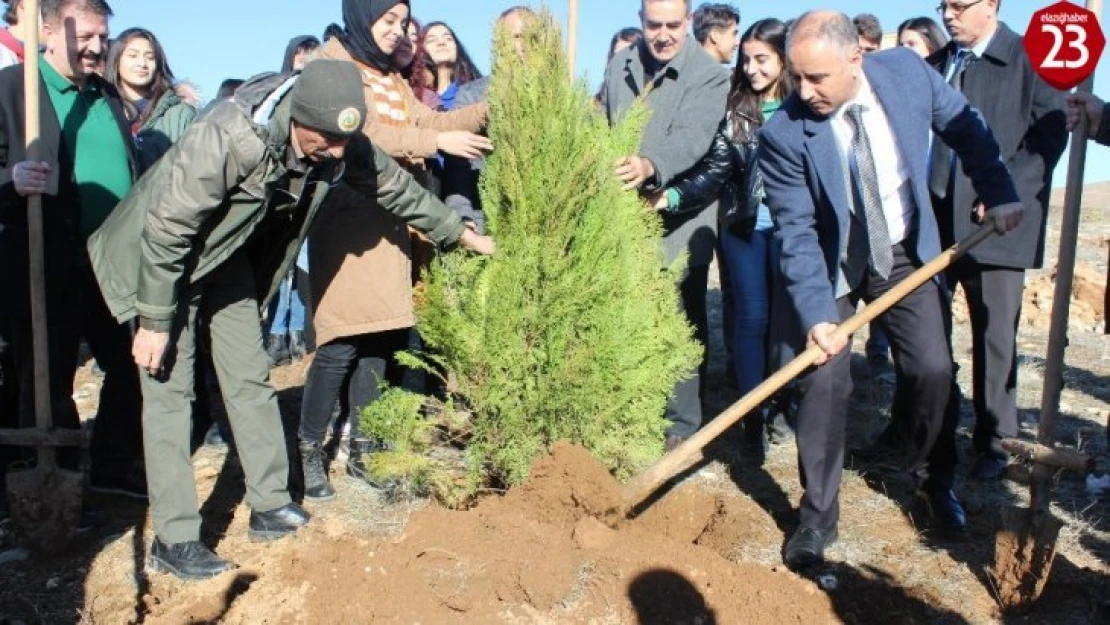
[
  {"x": 686, "y": 91},
  {"x": 844, "y": 165},
  {"x": 88, "y": 164},
  {"x": 1029, "y": 125}
]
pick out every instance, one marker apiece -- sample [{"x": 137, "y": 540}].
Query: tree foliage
[{"x": 572, "y": 330}]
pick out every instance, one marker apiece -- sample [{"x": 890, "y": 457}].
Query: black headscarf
[{"x": 358, "y": 17}]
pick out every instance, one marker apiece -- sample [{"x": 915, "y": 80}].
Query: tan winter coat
[{"x": 361, "y": 261}]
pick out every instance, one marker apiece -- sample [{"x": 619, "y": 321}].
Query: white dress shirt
[{"x": 890, "y": 165}]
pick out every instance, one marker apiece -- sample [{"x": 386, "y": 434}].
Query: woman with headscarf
[
  {"x": 410, "y": 59},
  {"x": 362, "y": 260}
]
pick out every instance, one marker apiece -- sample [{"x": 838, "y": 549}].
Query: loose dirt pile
[
  {"x": 1088, "y": 300},
  {"x": 546, "y": 552}
]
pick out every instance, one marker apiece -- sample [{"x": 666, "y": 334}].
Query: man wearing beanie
[{"x": 218, "y": 222}]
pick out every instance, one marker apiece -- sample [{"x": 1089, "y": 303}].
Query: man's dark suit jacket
[
  {"x": 805, "y": 180},
  {"x": 1027, "y": 118},
  {"x": 60, "y": 205}
]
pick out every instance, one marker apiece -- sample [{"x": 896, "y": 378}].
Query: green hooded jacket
[
  {"x": 167, "y": 123},
  {"x": 225, "y": 187}
]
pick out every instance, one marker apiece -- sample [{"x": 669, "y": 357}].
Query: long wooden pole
[
  {"x": 643, "y": 485},
  {"x": 36, "y": 258},
  {"x": 572, "y": 36},
  {"x": 1041, "y": 487}
]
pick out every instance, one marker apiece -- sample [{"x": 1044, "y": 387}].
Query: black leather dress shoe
[
  {"x": 277, "y": 523},
  {"x": 943, "y": 509},
  {"x": 187, "y": 560},
  {"x": 807, "y": 547}
]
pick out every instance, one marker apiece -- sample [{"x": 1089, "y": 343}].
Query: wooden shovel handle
[
  {"x": 37, "y": 261},
  {"x": 644, "y": 484}
]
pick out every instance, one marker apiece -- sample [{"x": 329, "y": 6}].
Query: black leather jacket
[{"x": 729, "y": 173}]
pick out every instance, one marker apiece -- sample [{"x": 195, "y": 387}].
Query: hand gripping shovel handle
[{"x": 643, "y": 485}]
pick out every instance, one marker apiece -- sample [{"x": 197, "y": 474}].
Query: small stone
[{"x": 53, "y": 583}]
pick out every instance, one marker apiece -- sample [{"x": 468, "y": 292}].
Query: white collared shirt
[{"x": 890, "y": 166}]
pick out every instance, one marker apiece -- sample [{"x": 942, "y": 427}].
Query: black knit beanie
[
  {"x": 328, "y": 97},
  {"x": 358, "y": 17}
]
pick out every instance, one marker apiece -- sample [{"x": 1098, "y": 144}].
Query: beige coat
[{"x": 360, "y": 257}]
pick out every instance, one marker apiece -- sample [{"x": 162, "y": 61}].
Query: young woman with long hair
[
  {"x": 448, "y": 62},
  {"x": 921, "y": 34},
  {"x": 730, "y": 174},
  {"x": 159, "y": 110}
]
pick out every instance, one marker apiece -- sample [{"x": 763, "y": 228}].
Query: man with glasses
[
  {"x": 984, "y": 58},
  {"x": 686, "y": 92}
]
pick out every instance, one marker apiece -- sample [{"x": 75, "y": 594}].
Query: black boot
[
  {"x": 297, "y": 348},
  {"x": 278, "y": 523},
  {"x": 278, "y": 350},
  {"x": 187, "y": 560},
  {"x": 356, "y": 464},
  {"x": 316, "y": 486},
  {"x": 356, "y": 458}
]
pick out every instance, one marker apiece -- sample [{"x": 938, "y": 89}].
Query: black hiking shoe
[
  {"x": 189, "y": 560},
  {"x": 316, "y": 485},
  {"x": 278, "y": 523}
]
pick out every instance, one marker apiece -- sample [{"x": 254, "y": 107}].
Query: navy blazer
[{"x": 804, "y": 179}]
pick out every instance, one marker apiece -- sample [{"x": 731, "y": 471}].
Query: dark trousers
[
  {"x": 728, "y": 313},
  {"x": 923, "y": 363},
  {"x": 684, "y": 409},
  {"x": 994, "y": 303},
  {"x": 117, "y": 434},
  {"x": 359, "y": 365}
]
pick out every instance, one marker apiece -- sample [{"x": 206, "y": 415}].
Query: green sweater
[{"x": 93, "y": 143}]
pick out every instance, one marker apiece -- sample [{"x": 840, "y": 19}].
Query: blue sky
[{"x": 209, "y": 40}]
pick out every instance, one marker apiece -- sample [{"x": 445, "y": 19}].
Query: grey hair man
[{"x": 686, "y": 89}]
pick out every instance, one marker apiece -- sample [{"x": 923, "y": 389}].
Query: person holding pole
[
  {"x": 982, "y": 54},
  {"x": 88, "y": 165},
  {"x": 1097, "y": 111},
  {"x": 844, "y": 167}
]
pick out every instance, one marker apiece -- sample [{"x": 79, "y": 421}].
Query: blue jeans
[
  {"x": 287, "y": 309},
  {"x": 750, "y": 266}
]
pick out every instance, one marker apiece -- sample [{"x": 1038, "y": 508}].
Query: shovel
[
  {"x": 643, "y": 485},
  {"x": 45, "y": 501}
]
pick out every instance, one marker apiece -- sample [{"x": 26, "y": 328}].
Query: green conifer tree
[{"x": 572, "y": 330}]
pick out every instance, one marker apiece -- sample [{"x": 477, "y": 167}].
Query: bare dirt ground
[{"x": 706, "y": 552}]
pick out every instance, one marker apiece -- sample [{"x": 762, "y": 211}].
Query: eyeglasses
[{"x": 957, "y": 7}]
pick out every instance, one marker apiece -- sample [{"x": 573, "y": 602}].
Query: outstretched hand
[{"x": 478, "y": 243}]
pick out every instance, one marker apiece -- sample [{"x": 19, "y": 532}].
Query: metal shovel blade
[{"x": 45, "y": 505}]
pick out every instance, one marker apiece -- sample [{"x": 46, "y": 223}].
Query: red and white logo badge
[{"x": 1064, "y": 42}]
